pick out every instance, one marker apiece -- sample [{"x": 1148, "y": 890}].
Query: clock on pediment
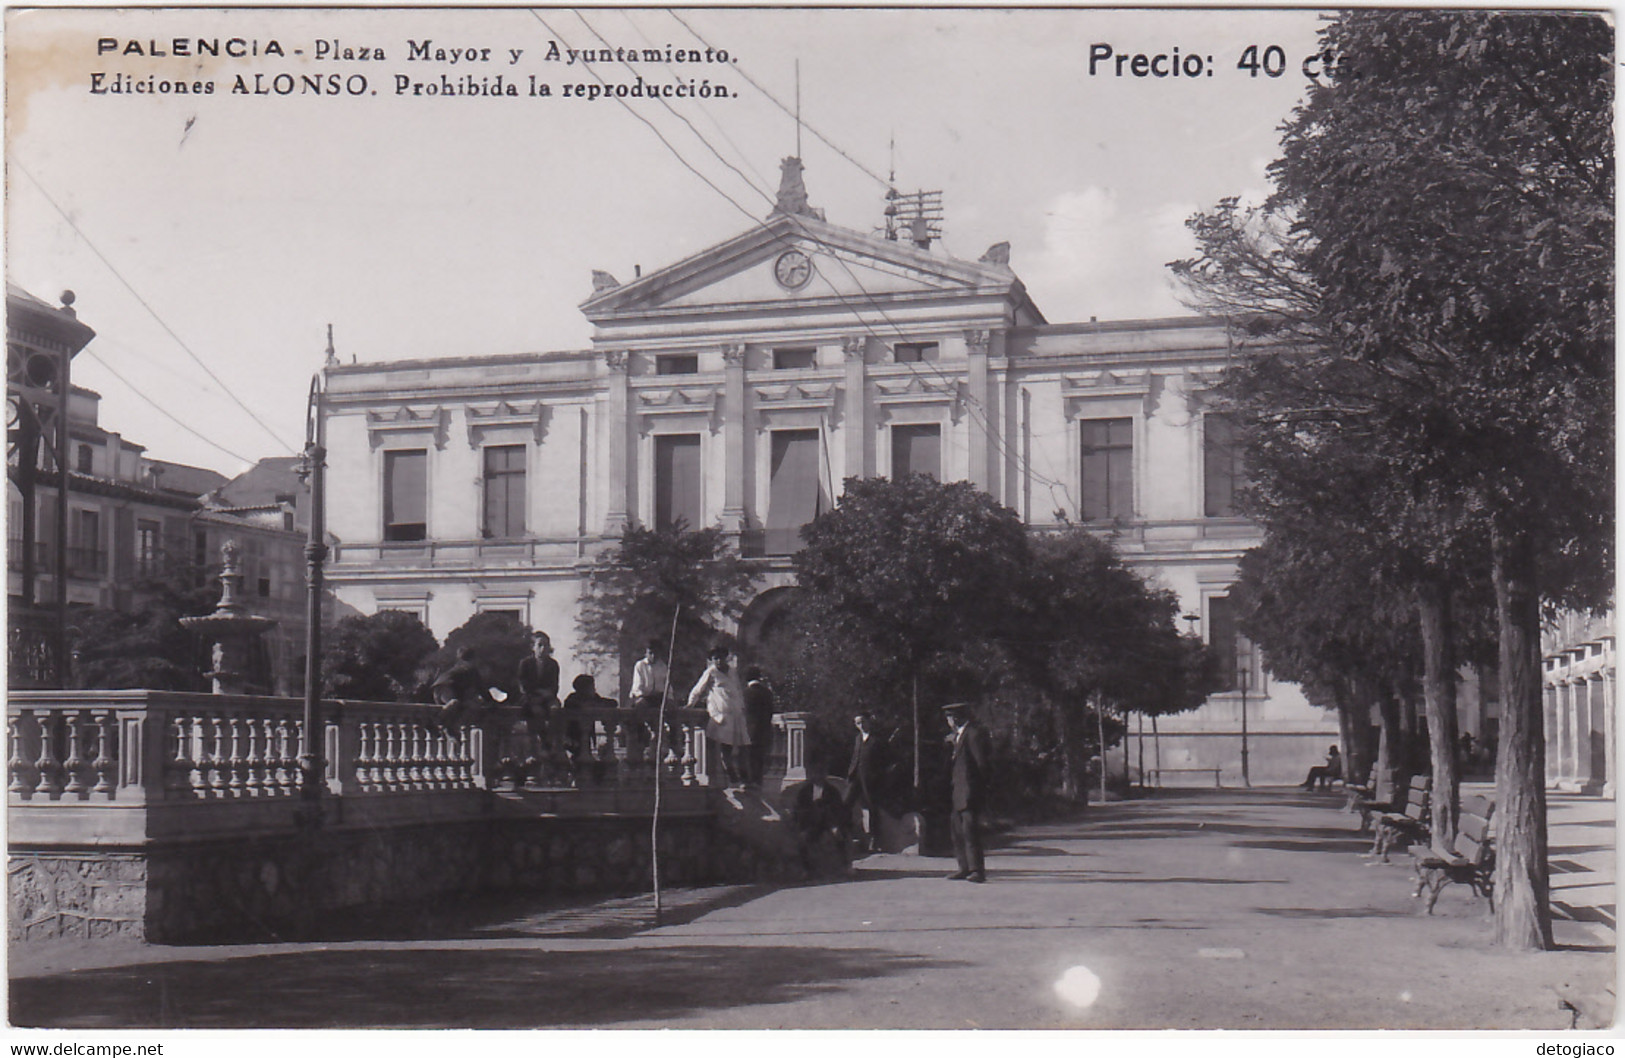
[{"x": 793, "y": 269}]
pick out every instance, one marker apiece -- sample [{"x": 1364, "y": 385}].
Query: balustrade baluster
[
  {"x": 74, "y": 764},
  {"x": 47, "y": 765},
  {"x": 420, "y": 776},
  {"x": 215, "y": 732},
  {"x": 392, "y": 754},
  {"x": 195, "y": 756},
  {"x": 464, "y": 770},
  {"x": 287, "y": 764},
  {"x": 253, "y": 763},
  {"x": 104, "y": 763},
  {"x": 380, "y": 753},
  {"x": 23, "y": 779},
  {"x": 177, "y": 765},
  {"x": 688, "y": 762},
  {"x": 234, "y": 761},
  {"x": 363, "y": 754},
  {"x": 437, "y": 757},
  {"x": 268, "y": 758}
]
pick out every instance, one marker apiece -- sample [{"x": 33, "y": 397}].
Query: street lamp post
[
  {"x": 312, "y": 469},
  {"x": 1242, "y": 675}
]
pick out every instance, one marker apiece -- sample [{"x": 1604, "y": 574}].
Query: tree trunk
[
  {"x": 1074, "y": 774},
  {"x": 1391, "y": 751},
  {"x": 1439, "y": 692},
  {"x": 1523, "y": 916},
  {"x": 1356, "y": 756}
]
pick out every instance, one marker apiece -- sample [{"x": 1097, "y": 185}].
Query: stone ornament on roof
[{"x": 792, "y": 197}]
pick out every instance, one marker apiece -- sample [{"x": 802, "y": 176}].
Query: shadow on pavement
[
  {"x": 515, "y": 915},
  {"x": 446, "y": 988}
]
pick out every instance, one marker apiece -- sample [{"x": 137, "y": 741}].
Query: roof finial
[{"x": 332, "y": 357}]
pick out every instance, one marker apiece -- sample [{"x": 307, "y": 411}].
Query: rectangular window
[
  {"x": 504, "y": 492},
  {"x": 687, "y": 364},
  {"x": 85, "y": 554},
  {"x": 1222, "y": 472},
  {"x": 791, "y": 359},
  {"x": 1221, "y": 636},
  {"x": 796, "y": 488},
  {"x": 1234, "y": 650},
  {"x": 146, "y": 547},
  {"x": 914, "y": 352},
  {"x": 916, "y": 450},
  {"x": 1108, "y": 469},
  {"x": 677, "y": 480},
  {"x": 406, "y": 495}
]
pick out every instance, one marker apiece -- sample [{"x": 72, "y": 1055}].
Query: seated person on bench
[{"x": 1323, "y": 774}]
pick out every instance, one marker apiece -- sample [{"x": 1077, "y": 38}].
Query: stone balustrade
[{"x": 108, "y": 767}]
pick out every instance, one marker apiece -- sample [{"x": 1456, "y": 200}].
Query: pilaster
[
  {"x": 981, "y": 422},
  {"x": 733, "y": 438},
  {"x": 617, "y": 425},
  {"x": 859, "y": 434}
]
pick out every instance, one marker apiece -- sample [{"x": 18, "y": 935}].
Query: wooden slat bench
[
  {"x": 1471, "y": 862},
  {"x": 1409, "y": 825}
]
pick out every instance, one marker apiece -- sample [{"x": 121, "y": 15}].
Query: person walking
[
  {"x": 970, "y": 781},
  {"x": 759, "y": 722},
  {"x": 719, "y": 694}
]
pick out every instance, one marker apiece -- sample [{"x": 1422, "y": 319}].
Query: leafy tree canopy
[{"x": 376, "y": 657}]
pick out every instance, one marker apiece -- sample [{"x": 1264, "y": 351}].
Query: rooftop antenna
[
  {"x": 798, "y": 108},
  {"x": 917, "y": 215}
]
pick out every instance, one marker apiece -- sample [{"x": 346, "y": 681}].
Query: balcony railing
[{"x": 156, "y": 760}]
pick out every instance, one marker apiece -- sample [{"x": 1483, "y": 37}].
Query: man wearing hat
[
  {"x": 970, "y": 765},
  {"x": 863, "y": 775}
]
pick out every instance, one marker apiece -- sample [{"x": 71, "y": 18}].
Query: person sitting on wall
[
  {"x": 583, "y": 694},
  {"x": 538, "y": 681},
  {"x": 460, "y": 686},
  {"x": 1323, "y": 774}
]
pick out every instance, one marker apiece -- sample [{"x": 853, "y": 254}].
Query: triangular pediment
[{"x": 797, "y": 259}]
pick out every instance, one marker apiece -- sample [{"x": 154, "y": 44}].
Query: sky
[{"x": 211, "y": 239}]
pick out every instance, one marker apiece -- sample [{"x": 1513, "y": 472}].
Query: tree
[
  {"x": 1456, "y": 180},
  {"x": 1447, "y": 202},
  {"x": 918, "y": 569},
  {"x": 498, "y": 640},
  {"x": 1094, "y": 633},
  {"x": 376, "y": 657},
  {"x": 637, "y": 588},
  {"x": 145, "y": 646}
]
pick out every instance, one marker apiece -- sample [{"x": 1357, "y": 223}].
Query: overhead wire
[
  {"x": 146, "y": 305},
  {"x": 165, "y": 412},
  {"x": 950, "y": 387}
]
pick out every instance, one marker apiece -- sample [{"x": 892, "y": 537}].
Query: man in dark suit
[
  {"x": 970, "y": 780},
  {"x": 863, "y": 777}
]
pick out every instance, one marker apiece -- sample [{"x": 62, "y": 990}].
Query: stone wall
[{"x": 281, "y": 887}]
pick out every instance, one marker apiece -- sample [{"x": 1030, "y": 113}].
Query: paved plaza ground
[{"x": 1191, "y": 909}]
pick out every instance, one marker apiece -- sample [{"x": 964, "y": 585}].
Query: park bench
[
  {"x": 1471, "y": 862},
  {"x": 1409, "y": 825},
  {"x": 1157, "y": 774},
  {"x": 1363, "y": 794}
]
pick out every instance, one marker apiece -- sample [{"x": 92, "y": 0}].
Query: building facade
[
  {"x": 740, "y": 386},
  {"x": 131, "y": 521}
]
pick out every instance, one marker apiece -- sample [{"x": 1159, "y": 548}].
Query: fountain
[{"x": 231, "y": 628}]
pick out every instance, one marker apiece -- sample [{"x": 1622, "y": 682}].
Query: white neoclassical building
[{"x": 740, "y": 386}]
